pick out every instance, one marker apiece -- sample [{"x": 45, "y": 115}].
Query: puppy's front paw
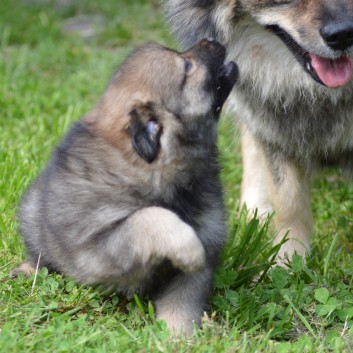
[{"x": 187, "y": 252}]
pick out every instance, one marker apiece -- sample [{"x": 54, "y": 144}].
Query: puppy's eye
[{"x": 187, "y": 65}]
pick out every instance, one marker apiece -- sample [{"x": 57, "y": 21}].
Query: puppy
[{"x": 131, "y": 198}]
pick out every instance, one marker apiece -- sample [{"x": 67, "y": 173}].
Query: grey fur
[
  {"x": 294, "y": 120},
  {"x": 131, "y": 198}
]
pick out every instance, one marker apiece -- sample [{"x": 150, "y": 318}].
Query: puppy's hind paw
[{"x": 26, "y": 269}]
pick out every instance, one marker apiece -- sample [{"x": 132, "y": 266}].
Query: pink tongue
[{"x": 333, "y": 73}]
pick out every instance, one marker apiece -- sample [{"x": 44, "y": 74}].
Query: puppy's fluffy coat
[{"x": 131, "y": 198}]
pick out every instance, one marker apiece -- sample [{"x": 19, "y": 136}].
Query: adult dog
[
  {"x": 294, "y": 98},
  {"x": 131, "y": 198}
]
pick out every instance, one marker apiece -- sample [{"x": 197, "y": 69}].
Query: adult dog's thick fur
[
  {"x": 294, "y": 98},
  {"x": 131, "y": 198}
]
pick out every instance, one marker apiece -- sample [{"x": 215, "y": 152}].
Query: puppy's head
[{"x": 158, "y": 91}]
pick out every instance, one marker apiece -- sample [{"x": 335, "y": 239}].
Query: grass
[{"x": 48, "y": 79}]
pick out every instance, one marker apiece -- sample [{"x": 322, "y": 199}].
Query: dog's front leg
[
  {"x": 289, "y": 193},
  {"x": 182, "y": 303},
  {"x": 291, "y": 201},
  {"x": 155, "y": 233},
  {"x": 254, "y": 192},
  {"x": 271, "y": 181}
]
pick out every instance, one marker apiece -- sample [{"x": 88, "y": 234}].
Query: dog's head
[
  {"x": 191, "y": 84},
  {"x": 319, "y": 33},
  {"x": 157, "y": 90}
]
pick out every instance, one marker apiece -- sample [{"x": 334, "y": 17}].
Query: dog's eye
[{"x": 187, "y": 65}]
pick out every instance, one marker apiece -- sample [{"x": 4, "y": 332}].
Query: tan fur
[
  {"x": 290, "y": 197},
  {"x": 253, "y": 191},
  {"x": 26, "y": 269}
]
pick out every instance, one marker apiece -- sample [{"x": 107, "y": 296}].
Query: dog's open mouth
[
  {"x": 332, "y": 73},
  {"x": 226, "y": 78}
]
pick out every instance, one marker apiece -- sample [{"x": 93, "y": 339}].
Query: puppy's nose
[{"x": 338, "y": 35}]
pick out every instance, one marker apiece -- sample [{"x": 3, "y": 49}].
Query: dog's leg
[
  {"x": 289, "y": 188},
  {"x": 254, "y": 191},
  {"x": 279, "y": 185},
  {"x": 26, "y": 269},
  {"x": 127, "y": 252},
  {"x": 155, "y": 233},
  {"x": 182, "y": 303}
]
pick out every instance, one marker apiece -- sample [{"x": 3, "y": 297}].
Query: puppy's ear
[{"x": 145, "y": 131}]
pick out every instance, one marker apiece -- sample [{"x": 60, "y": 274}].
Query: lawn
[{"x": 55, "y": 60}]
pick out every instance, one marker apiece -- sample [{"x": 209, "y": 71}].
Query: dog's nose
[{"x": 338, "y": 36}]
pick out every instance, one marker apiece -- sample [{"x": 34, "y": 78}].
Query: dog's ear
[{"x": 145, "y": 130}]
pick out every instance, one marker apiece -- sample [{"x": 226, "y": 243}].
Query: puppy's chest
[{"x": 192, "y": 200}]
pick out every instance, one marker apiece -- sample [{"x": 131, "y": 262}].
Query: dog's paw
[
  {"x": 187, "y": 252},
  {"x": 26, "y": 269}
]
